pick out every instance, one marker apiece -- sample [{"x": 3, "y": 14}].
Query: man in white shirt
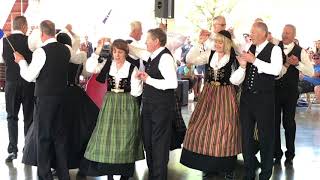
[
  {"x": 49, "y": 68},
  {"x": 296, "y": 59},
  {"x": 257, "y": 72},
  {"x": 158, "y": 99},
  {"x": 17, "y": 90}
]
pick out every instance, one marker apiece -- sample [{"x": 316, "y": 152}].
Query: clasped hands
[
  {"x": 245, "y": 57},
  {"x": 292, "y": 60}
]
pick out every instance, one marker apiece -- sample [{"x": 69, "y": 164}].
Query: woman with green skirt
[{"x": 116, "y": 142}]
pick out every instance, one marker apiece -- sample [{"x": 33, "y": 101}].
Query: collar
[
  {"x": 288, "y": 46},
  {"x": 216, "y": 63},
  {"x": 260, "y": 47},
  {"x": 156, "y": 52},
  {"x": 17, "y": 32},
  {"x": 51, "y": 40}
]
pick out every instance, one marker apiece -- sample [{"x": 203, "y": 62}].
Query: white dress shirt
[
  {"x": 31, "y": 72},
  {"x": 94, "y": 66},
  {"x": 136, "y": 43},
  {"x": 198, "y": 55},
  {"x": 305, "y": 65},
  {"x": 272, "y": 68},
  {"x": 167, "y": 69}
]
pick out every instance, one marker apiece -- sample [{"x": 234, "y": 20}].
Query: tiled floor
[{"x": 306, "y": 163}]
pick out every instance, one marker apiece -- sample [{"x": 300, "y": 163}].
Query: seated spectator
[
  {"x": 186, "y": 72},
  {"x": 307, "y": 84}
]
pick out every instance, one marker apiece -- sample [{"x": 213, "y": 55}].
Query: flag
[
  {"x": 107, "y": 16},
  {"x": 1, "y": 33}
]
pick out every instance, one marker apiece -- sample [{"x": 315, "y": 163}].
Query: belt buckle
[
  {"x": 215, "y": 83},
  {"x": 117, "y": 90}
]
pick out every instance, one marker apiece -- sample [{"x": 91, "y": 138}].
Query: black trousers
[
  {"x": 285, "y": 110},
  {"x": 17, "y": 93},
  {"x": 258, "y": 107},
  {"x": 51, "y": 137},
  {"x": 157, "y": 126}
]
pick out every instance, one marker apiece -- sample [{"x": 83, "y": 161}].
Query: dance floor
[{"x": 306, "y": 164}]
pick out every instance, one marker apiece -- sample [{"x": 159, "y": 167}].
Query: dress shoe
[
  {"x": 209, "y": 174},
  {"x": 11, "y": 157},
  {"x": 229, "y": 176},
  {"x": 288, "y": 163},
  {"x": 277, "y": 161}
]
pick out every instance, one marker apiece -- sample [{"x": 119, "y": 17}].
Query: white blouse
[{"x": 93, "y": 66}]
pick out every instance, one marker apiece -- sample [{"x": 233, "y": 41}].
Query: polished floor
[{"x": 306, "y": 163}]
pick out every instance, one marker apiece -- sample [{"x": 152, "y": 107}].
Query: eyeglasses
[{"x": 219, "y": 24}]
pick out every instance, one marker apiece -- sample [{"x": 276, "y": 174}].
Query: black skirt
[
  {"x": 208, "y": 163},
  {"x": 80, "y": 114},
  {"x": 91, "y": 168}
]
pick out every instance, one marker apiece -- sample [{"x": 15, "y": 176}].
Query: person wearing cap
[
  {"x": 257, "y": 72},
  {"x": 213, "y": 140}
]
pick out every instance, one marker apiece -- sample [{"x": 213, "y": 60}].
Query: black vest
[
  {"x": 20, "y": 44},
  {"x": 104, "y": 75},
  {"x": 224, "y": 73},
  {"x": 53, "y": 77},
  {"x": 291, "y": 78},
  {"x": 150, "y": 93},
  {"x": 255, "y": 81}
]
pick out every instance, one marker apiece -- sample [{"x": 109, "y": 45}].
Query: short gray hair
[
  {"x": 292, "y": 27},
  {"x": 47, "y": 27},
  {"x": 19, "y": 22},
  {"x": 263, "y": 26},
  {"x": 158, "y": 33}
]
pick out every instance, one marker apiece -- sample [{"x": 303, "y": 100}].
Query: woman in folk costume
[
  {"x": 80, "y": 113},
  {"x": 213, "y": 141},
  {"x": 116, "y": 142}
]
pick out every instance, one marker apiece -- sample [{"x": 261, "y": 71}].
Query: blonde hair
[{"x": 227, "y": 43}]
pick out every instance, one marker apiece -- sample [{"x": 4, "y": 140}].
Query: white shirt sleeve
[
  {"x": 136, "y": 84},
  {"x": 31, "y": 72},
  {"x": 198, "y": 56},
  {"x": 139, "y": 52},
  {"x": 274, "y": 67},
  {"x": 77, "y": 58},
  {"x": 237, "y": 77},
  {"x": 305, "y": 65},
  {"x": 168, "y": 71},
  {"x": 282, "y": 72},
  {"x": 92, "y": 64}
]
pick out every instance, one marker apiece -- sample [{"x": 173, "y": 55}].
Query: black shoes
[
  {"x": 11, "y": 157},
  {"x": 288, "y": 163},
  {"x": 229, "y": 176},
  {"x": 277, "y": 161}
]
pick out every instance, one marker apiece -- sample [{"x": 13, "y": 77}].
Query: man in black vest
[
  {"x": 296, "y": 59},
  {"x": 49, "y": 68},
  {"x": 257, "y": 72},
  {"x": 17, "y": 90},
  {"x": 158, "y": 103}
]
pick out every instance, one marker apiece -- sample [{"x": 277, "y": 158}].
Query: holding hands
[{"x": 141, "y": 75}]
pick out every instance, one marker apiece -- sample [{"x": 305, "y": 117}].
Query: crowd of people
[{"x": 244, "y": 92}]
